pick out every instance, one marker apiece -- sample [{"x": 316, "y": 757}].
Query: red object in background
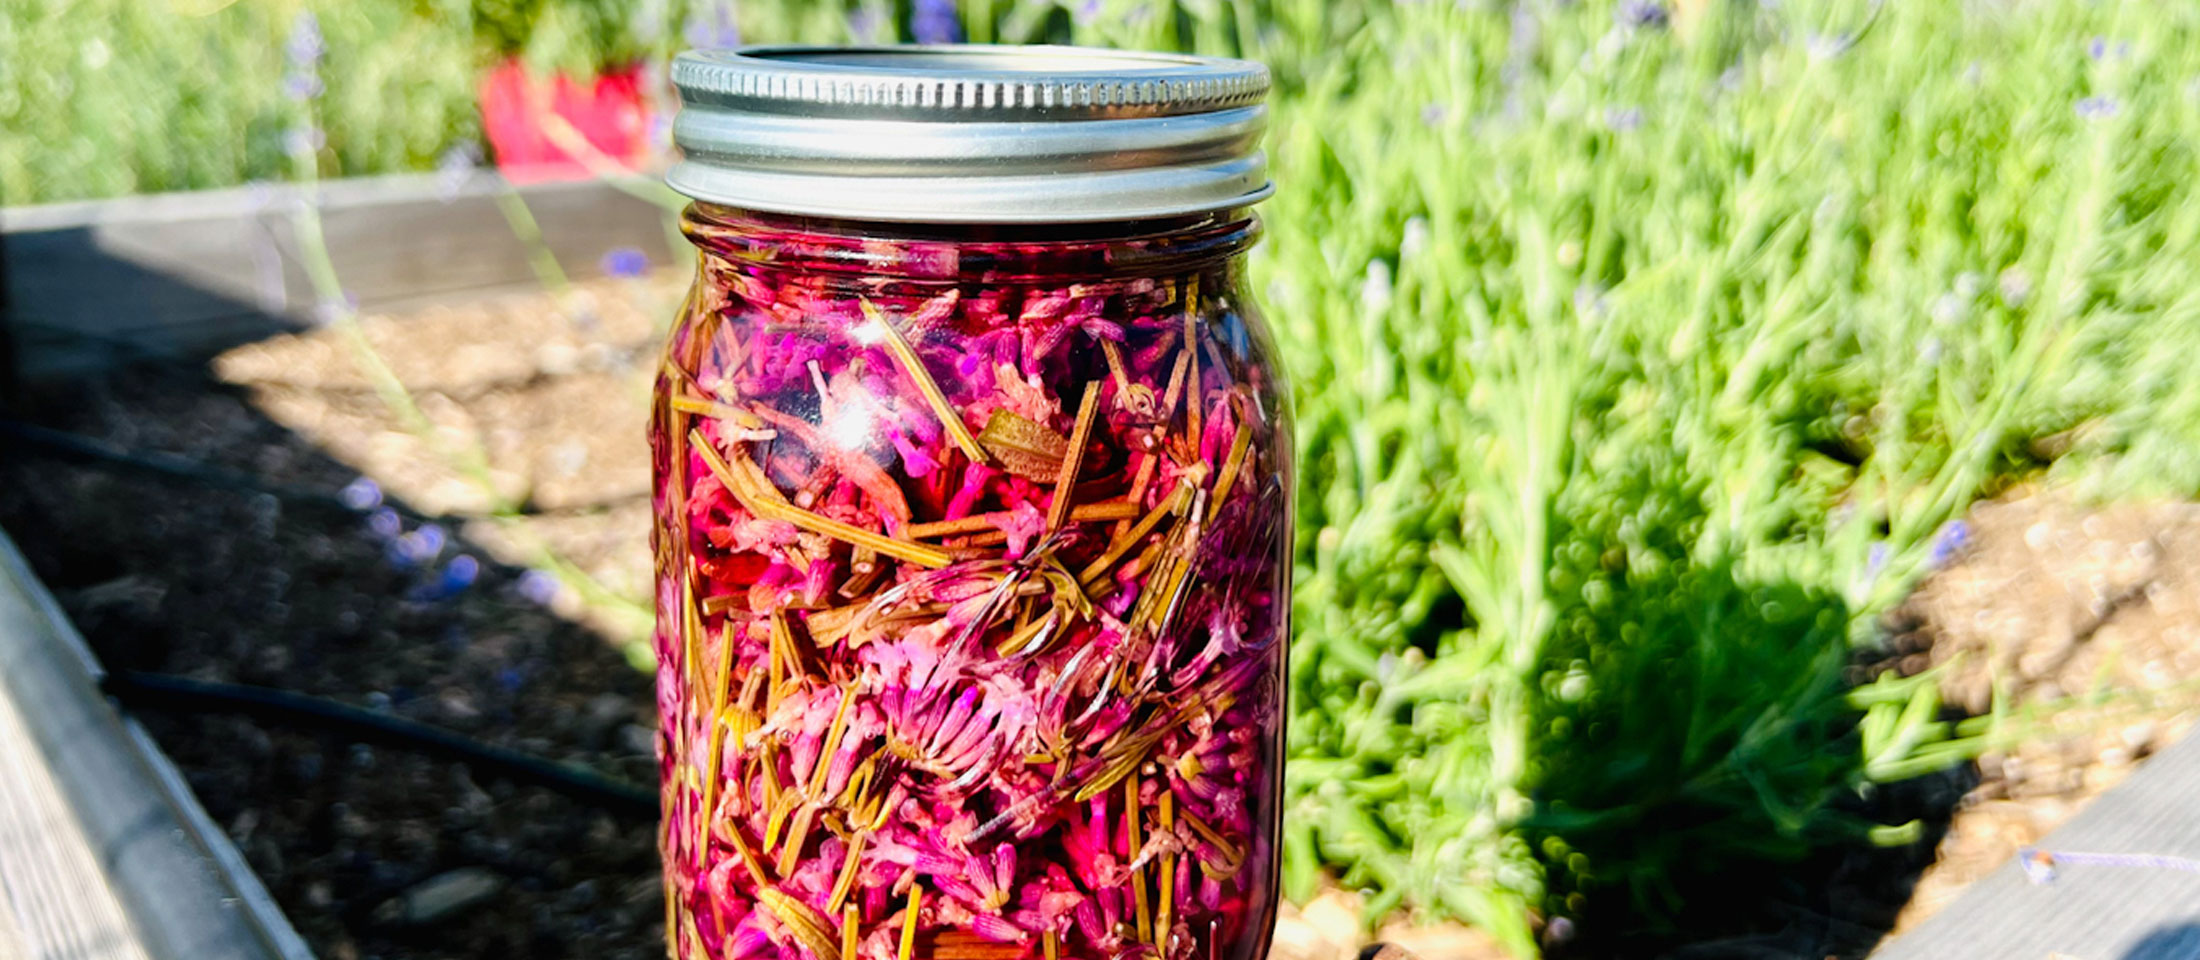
[{"x": 608, "y": 111}]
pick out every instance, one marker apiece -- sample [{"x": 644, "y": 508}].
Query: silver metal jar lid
[{"x": 969, "y": 134}]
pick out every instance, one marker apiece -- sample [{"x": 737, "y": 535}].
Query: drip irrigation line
[{"x": 156, "y": 691}]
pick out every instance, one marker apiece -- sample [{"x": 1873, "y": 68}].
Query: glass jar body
[{"x": 973, "y": 580}]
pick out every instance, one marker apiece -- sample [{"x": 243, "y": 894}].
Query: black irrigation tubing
[{"x": 157, "y": 691}]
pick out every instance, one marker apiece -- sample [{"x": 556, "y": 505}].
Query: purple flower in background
[
  {"x": 1640, "y": 13},
  {"x": 1087, "y": 11},
  {"x": 714, "y": 27},
  {"x": 1623, "y": 119},
  {"x": 449, "y": 582},
  {"x": 455, "y": 170},
  {"x": 863, "y": 25},
  {"x": 304, "y": 48},
  {"x": 2099, "y": 108},
  {"x": 301, "y": 85},
  {"x": 385, "y": 523},
  {"x": 625, "y": 262},
  {"x": 1875, "y": 560},
  {"x": 2096, "y": 47},
  {"x": 459, "y": 574},
  {"x": 1434, "y": 114},
  {"x": 422, "y": 545},
  {"x": 538, "y": 586},
  {"x": 362, "y": 494},
  {"x": 935, "y": 21},
  {"x": 660, "y": 130},
  {"x": 1952, "y": 538}
]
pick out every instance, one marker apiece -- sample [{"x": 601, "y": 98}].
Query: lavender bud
[
  {"x": 1950, "y": 541},
  {"x": 625, "y": 262},
  {"x": 863, "y": 25},
  {"x": 1639, "y": 14},
  {"x": 935, "y": 21},
  {"x": 1560, "y": 930},
  {"x": 718, "y": 28},
  {"x": 424, "y": 544},
  {"x": 301, "y": 85},
  {"x": 459, "y": 574},
  {"x": 385, "y": 523},
  {"x": 362, "y": 494},
  {"x": 538, "y": 586},
  {"x": 304, "y": 48},
  {"x": 2099, "y": 107}
]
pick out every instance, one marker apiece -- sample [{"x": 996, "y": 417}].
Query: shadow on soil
[
  {"x": 223, "y": 554},
  {"x": 1701, "y": 800},
  {"x": 2181, "y": 942}
]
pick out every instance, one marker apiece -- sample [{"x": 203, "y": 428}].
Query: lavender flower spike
[
  {"x": 1950, "y": 541},
  {"x": 304, "y": 47},
  {"x": 2099, "y": 107},
  {"x": 935, "y": 21}
]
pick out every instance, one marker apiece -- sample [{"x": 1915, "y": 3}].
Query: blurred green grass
[{"x": 1643, "y": 359}]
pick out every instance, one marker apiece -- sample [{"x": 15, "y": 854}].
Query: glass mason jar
[{"x": 972, "y": 486}]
